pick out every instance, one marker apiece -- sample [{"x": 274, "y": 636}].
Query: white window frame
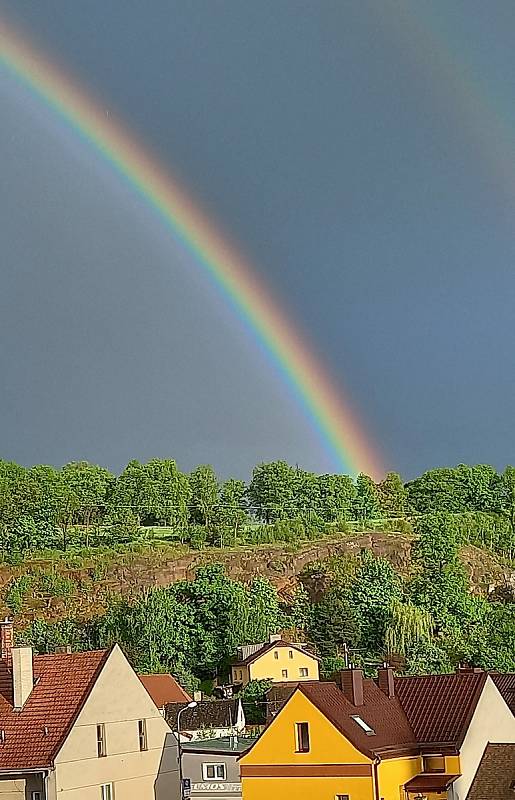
[
  {"x": 303, "y": 672},
  {"x": 36, "y": 796},
  {"x": 290, "y": 653},
  {"x": 216, "y": 765},
  {"x": 363, "y": 725},
  {"x": 284, "y": 673},
  {"x": 107, "y": 795}
]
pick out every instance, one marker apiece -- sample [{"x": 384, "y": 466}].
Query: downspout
[{"x": 376, "y": 778}]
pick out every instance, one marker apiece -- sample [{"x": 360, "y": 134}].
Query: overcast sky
[{"x": 361, "y": 154}]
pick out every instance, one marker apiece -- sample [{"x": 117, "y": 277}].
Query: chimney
[
  {"x": 23, "y": 675},
  {"x": 386, "y": 681},
  {"x": 275, "y": 637},
  {"x": 6, "y": 640},
  {"x": 351, "y": 684}
]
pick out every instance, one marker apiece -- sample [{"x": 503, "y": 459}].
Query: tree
[
  {"x": 337, "y": 495},
  {"x": 232, "y": 511},
  {"x": 272, "y": 491},
  {"x": 408, "y": 625},
  {"x": 366, "y": 503},
  {"x": 393, "y": 497},
  {"x": 204, "y": 495},
  {"x": 152, "y": 493},
  {"x": 90, "y": 485}
]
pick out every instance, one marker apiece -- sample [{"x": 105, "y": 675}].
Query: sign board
[{"x": 186, "y": 787}]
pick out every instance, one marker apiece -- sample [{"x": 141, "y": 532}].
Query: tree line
[{"x": 43, "y": 506}]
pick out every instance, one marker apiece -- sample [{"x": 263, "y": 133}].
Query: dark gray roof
[
  {"x": 207, "y": 714},
  {"x": 235, "y": 745}
]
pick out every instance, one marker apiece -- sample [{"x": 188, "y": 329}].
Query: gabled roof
[
  {"x": 266, "y": 647},
  {"x": 163, "y": 689},
  {"x": 440, "y": 707},
  {"x": 505, "y": 682},
  {"x": 207, "y": 714},
  {"x": 495, "y": 777},
  {"x": 384, "y": 715},
  {"x": 62, "y": 683}
]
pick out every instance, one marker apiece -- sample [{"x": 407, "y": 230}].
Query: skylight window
[{"x": 362, "y": 724}]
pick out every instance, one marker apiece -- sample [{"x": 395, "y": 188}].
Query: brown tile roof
[
  {"x": 495, "y": 777},
  {"x": 271, "y": 646},
  {"x": 207, "y": 714},
  {"x": 436, "y": 782},
  {"x": 439, "y": 707},
  {"x": 163, "y": 689},
  {"x": 505, "y": 682},
  {"x": 383, "y": 714},
  {"x": 33, "y": 736}
]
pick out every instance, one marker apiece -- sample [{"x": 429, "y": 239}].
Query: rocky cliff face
[{"x": 278, "y": 563}]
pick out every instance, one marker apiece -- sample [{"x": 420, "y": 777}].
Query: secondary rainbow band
[{"x": 331, "y": 417}]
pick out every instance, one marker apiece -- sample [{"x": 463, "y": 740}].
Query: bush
[{"x": 17, "y": 590}]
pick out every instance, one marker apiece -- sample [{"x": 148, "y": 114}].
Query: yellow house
[
  {"x": 390, "y": 739},
  {"x": 275, "y": 660},
  {"x": 80, "y": 726}
]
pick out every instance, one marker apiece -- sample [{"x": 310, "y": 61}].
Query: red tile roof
[
  {"x": 495, "y": 777},
  {"x": 163, "y": 689},
  {"x": 62, "y": 683},
  {"x": 439, "y": 707},
  {"x": 381, "y": 713}
]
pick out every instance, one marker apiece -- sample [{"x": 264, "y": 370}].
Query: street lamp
[{"x": 192, "y": 704}]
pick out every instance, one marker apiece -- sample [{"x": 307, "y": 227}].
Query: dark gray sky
[{"x": 361, "y": 153}]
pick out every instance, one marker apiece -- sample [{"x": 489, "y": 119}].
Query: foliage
[{"x": 253, "y": 698}]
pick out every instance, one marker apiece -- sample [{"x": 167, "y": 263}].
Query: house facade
[
  {"x": 212, "y": 767},
  {"x": 395, "y": 739},
  {"x": 275, "y": 660},
  {"x": 80, "y": 726}
]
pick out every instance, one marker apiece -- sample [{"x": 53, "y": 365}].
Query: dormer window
[
  {"x": 434, "y": 763},
  {"x": 363, "y": 725}
]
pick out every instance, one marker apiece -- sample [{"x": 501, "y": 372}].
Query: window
[
  {"x": 106, "y": 791},
  {"x": 142, "y": 734},
  {"x": 101, "y": 741},
  {"x": 303, "y": 672},
  {"x": 36, "y": 795},
  {"x": 434, "y": 764},
  {"x": 363, "y": 725},
  {"x": 302, "y": 737},
  {"x": 341, "y": 797},
  {"x": 284, "y": 673},
  {"x": 276, "y": 653},
  {"x": 213, "y": 772},
  {"x": 290, "y": 653}
]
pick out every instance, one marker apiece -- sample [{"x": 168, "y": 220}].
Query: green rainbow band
[{"x": 322, "y": 402}]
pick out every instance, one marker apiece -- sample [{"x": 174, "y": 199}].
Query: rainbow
[{"x": 331, "y": 417}]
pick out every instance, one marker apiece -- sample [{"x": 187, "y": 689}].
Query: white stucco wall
[{"x": 492, "y": 722}]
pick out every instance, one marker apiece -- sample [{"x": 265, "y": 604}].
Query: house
[
  {"x": 495, "y": 778},
  {"x": 212, "y": 766},
  {"x": 505, "y": 682},
  {"x": 80, "y": 726},
  {"x": 394, "y": 738},
  {"x": 210, "y": 719},
  {"x": 164, "y": 689},
  {"x": 275, "y": 660}
]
